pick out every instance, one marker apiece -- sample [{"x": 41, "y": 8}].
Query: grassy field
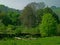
[{"x": 39, "y": 41}]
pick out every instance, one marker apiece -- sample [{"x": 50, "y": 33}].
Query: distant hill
[{"x": 7, "y": 9}]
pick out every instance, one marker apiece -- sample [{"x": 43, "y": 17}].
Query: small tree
[{"x": 48, "y": 25}]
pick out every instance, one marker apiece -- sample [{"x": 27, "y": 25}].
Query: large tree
[
  {"x": 48, "y": 25},
  {"x": 28, "y": 17}
]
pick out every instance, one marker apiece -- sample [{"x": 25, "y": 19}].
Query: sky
[{"x": 20, "y": 4}]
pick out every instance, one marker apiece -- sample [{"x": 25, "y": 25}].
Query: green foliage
[
  {"x": 9, "y": 15},
  {"x": 18, "y": 30},
  {"x": 10, "y": 27},
  {"x": 48, "y": 25},
  {"x": 31, "y": 30},
  {"x": 2, "y": 28},
  {"x": 11, "y": 18},
  {"x": 6, "y": 20},
  {"x": 39, "y": 15},
  {"x": 49, "y": 10},
  {"x": 58, "y": 29}
]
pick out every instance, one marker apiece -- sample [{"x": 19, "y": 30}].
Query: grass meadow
[{"x": 39, "y": 41}]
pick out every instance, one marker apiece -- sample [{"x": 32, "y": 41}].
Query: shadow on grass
[{"x": 58, "y": 43}]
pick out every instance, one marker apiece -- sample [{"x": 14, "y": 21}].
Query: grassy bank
[{"x": 39, "y": 41}]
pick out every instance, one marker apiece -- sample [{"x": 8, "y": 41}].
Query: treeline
[{"x": 34, "y": 20}]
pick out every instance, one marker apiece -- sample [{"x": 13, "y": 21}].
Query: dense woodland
[{"x": 35, "y": 20}]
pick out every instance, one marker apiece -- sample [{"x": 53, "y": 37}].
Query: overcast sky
[{"x": 20, "y": 4}]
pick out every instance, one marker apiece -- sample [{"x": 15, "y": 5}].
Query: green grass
[{"x": 39, "y": 41}]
